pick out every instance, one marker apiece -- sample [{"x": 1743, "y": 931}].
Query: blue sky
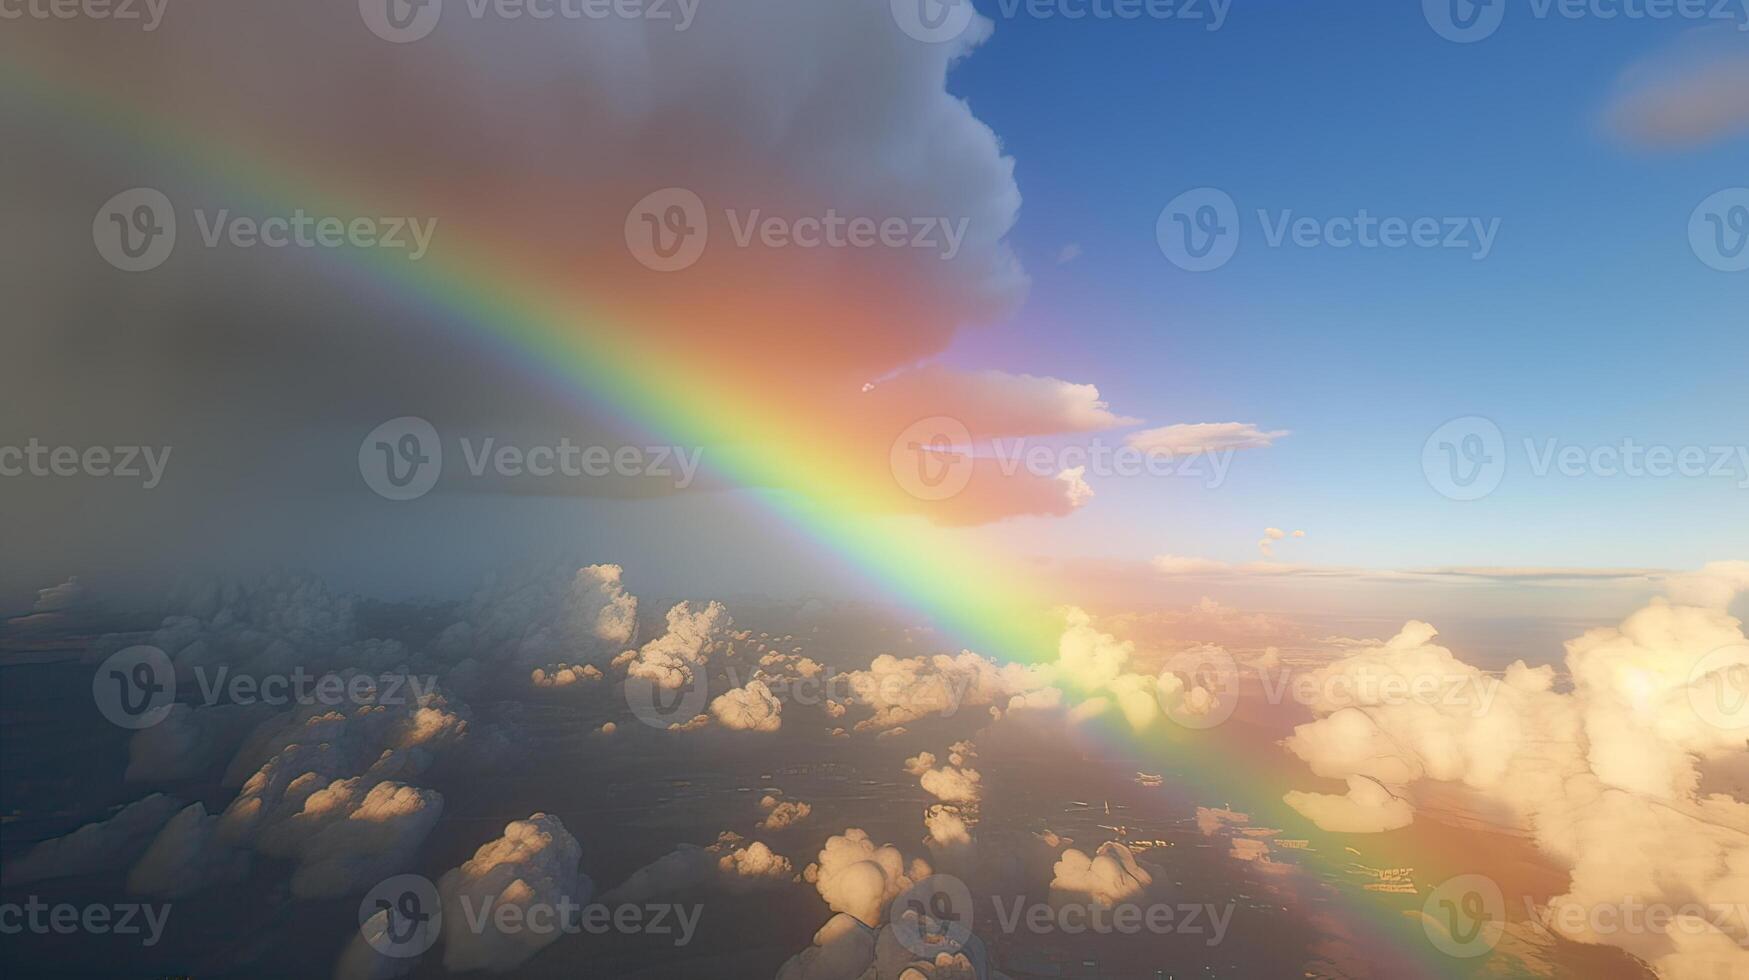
[{"x": 1591, "y": 322}]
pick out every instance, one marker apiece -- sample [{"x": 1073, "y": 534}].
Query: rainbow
[{"x": 486, "y": 295}]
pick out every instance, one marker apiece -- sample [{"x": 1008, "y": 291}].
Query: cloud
[
  {"x": 187, "y": 856},
  {"x": 1526, "y": 574},
  {"x": 689, "y": 868},
  {"x": 1691, "y": 94},
  {"x": 361, "y": 841},
  {"x": 996, "y": 490},
  {"x": 1211, "y": 568},
  {"x": 1266, "y": 544},
  {"x": 1182, "y": 565},
  {"x": 535, "y": 862},
  {"x": 565, "y": 675},
  {"x": 856, "y": 877},
  {"x": 1606, "y": 775},
  {"x": 950, "y": 836},
  {"x": 1068, "y": 253},
  {"x": 952, "y": 785},
  {"x": 258, "y": 625},
  {"x": 752, "y": 708},
  {"x": 671, "y": 660},
  {"x": 787, "y": 111},
  {"x": 754, "y": 865},
  {"x": 683, "y": 869},
  {"x": 1368, "y": 808},
  {"x": 843, "y": 947},
  {"x": 783, "y": 814},
  {"x": 990, "y": 404},
  {"x": 323, "y": 784},
  {"x": 1076, "y": 490},
  {"x": 103, "y": 845},
  {"x": 1203, "y": 437},
  {"x": 1713, "y": 587},
  {"x": 900, "y": 690},
  {"x": 1088, "y": 660},
  {"x": 556, "y": 620},
  {"x": 1110, "y": 877},
  {"x": 318, "y": 786},
  {"x": 1210, "y": 820},
  {"x": 190, "y": 741},
  {"x": 59, "y": 598}
]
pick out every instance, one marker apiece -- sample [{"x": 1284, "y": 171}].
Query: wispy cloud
[
  {"x": 1204, "y": 437},
  {"x": 1691, "y": 94}
]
